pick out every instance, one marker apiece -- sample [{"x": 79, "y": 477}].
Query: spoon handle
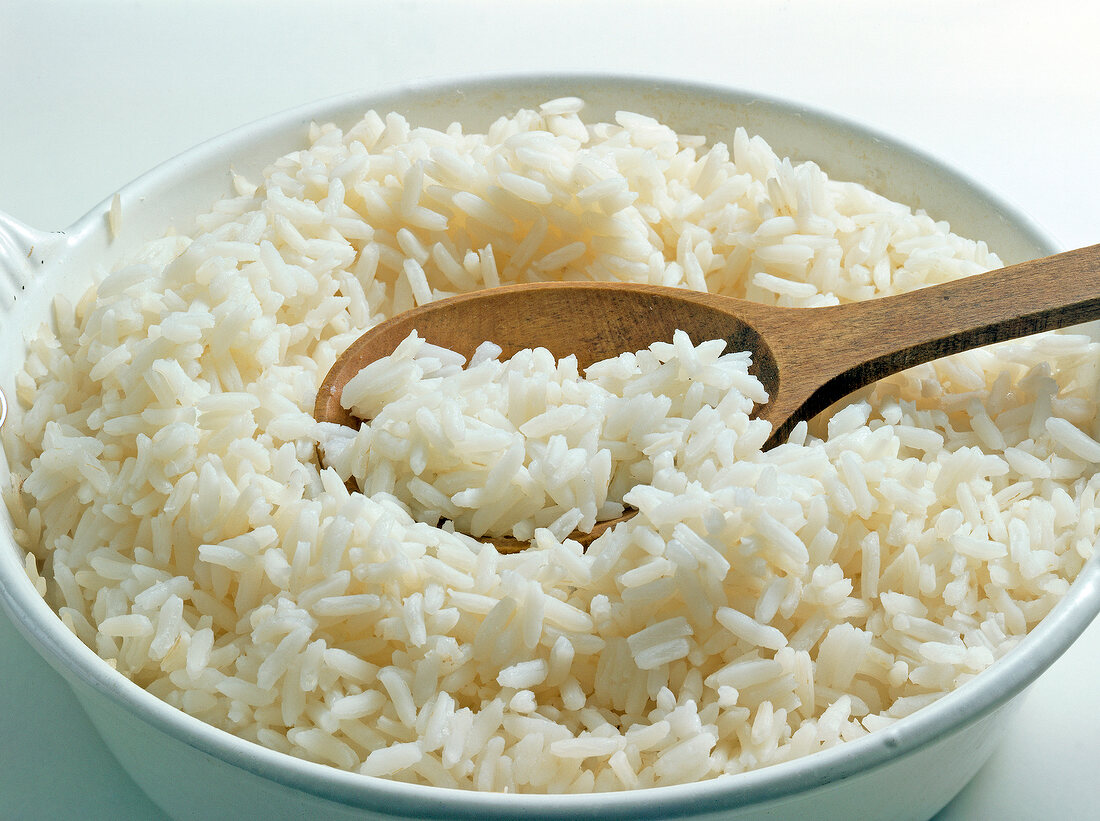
[{"x": 856, "y": 344}]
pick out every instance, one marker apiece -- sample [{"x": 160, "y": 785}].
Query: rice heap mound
[
  {"x": 760, "y": 606},
  {"x": 510, "y": 448}
]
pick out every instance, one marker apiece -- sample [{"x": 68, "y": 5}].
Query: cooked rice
[
  {"x": 509, "y": 448},
  {"x": 760, "y": 606}
]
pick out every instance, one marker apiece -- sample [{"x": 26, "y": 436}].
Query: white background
[{"x": 94, "y": 93}]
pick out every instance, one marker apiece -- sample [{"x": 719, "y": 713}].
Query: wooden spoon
[{"x": 806, "y": 358}]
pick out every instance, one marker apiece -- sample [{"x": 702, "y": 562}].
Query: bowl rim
[{"x": 967, "y": 704}]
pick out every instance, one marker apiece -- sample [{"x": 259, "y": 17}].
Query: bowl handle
[{"x": 23, "y": 250}]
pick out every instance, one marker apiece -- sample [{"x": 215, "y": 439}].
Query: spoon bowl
[{"x": 589, "y": 320}]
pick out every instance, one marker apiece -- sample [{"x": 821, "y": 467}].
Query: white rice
[
  {"x": 506, "y": 448},
  {"x": 760, "y": 606}
]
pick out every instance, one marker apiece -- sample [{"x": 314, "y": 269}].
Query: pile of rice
[
  {"x": 760, "y": 606},
  {"x": 510, "y": 448}
]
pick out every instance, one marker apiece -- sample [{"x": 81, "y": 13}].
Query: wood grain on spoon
[{"x": 806, "y": 358}]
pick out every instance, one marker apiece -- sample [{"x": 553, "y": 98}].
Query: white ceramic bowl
[{"x": 906, "y": 771}]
